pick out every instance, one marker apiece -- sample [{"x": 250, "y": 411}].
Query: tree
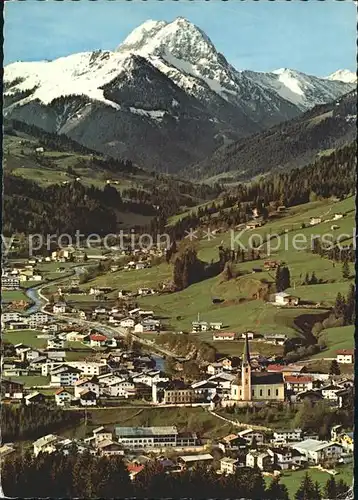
[
  {"x": 330, "y": 489},
  {"x": 334, "y": 368},
  {"x": 351, "y": 305},
  {"x": 307, "y": 490},
  {"x": 345, "y": 270},
  {"x": 277, "y": 491}
]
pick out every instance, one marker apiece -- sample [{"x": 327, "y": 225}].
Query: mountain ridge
[{"x": 208, "y": 103}]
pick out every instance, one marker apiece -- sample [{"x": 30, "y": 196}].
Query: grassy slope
[
  {"x": 184, "y": 418},
  {"x": 337, "y": 338},
  {"x": 239, "y": 312},
  {"x": 292, "y": 479}
]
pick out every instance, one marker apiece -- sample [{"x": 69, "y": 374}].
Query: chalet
[
  {"x": 64, "y": 376},
  {"x": 215, "y": 326},
  {"x": 97, "y": 340},
  {"x": 286, "y": 458},
  {"x": 315, "y": 220},
  {"x": 127, "y": 323},
  {"x": 285, "y": 299},
  {"x": 262, "y": 460},
  {"x": 85, "y": 384},
  {"x": 228, "y": 465},
  {"x": 224, "y": 336},
  {"x": 147, "y": 325},
  {"x": 275, "y": 338},
  {"x": 145, "y": 291},
  {"x": 282, "y": 436},
  {"x": 63, "y": 397},
  {"x": 298, "y": 383},
  {"x": 59, "y": 308},
  {"x": 232, "y": 442},
  {"x": 123, "y": 293},
  {"x": 337, "y": 216},
  {"x": 250, "y": 436},
  {"x": 254, "y": 224},
  {"x": 200, "y": 326},
  {"x": 345, "y": 356},
  {"x": 318, "y": 452},
  {"x": 55, "y": 343},
  {"x": 107, "y": 447},
  {"x": 34, "y": 398},
  {"x": 12, "y": 389},
  {"x": 88, "y": 398}
]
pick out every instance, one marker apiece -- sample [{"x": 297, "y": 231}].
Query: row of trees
[
  {"x": 87, "y": 476},
  {"x": 345, "y": 307},
  {"x": 27, "y": 422}
]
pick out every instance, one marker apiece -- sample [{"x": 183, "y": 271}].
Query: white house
[
  {"x": 63, "y": 397},
  {"x": 249, "y": 435},
  {"x": 97, "y": 340},
  {"x": 224, "y": 336},
  {"x": 286, "y": 436},
  {"x": 64, "y": 376},
  {"x": 315, "y": 220},
  {"x": 228, "y": 465},
  {"x": 127, "y": 323},
  {"x": 55, "y": 343},
  {"x": 345, "y": 356},
  {"x": 123, "y": 388},
  {"x": 88, "y": 398},
  {"x": 86, "y": 384},
  {"x": 59, "y": 308},
  {"x": 317, "y": 452},
  {"x": 284, "y": 299},
  {"x": 258, "y": 459},
  {"x": 45, "y": 444}
]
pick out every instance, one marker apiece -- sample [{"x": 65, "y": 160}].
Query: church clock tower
[{"x": 246, "y": 372}]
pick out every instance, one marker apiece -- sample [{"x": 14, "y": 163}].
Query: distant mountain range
[
  {"x": 165, "y": 98},
  {"x": 293, "y": 143}
]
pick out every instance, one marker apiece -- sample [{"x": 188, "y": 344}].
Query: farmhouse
[
  {"x": 315, "y": 220},
  {"x": 224, "y": 336},
  {"x": 285, "y": 299},
  {"x": 345, "y": 356}
]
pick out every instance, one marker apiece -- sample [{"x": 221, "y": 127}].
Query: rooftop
[{"x": 145, "y": 431}]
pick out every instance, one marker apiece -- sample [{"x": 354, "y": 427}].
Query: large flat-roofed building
[{"x": 146, "y": 437}]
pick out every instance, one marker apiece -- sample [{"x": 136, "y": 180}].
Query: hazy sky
[{"x": 316, "y": 37}]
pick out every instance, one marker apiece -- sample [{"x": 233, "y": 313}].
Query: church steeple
[
  {"x": 246, "y": 372},
  {"x": 246, "y": 353}
]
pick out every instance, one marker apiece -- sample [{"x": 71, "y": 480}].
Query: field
[
  {"x": 195, "y": 419},
  {"x": 337, "y": 338},
  {"x": 292, "y": 479},
  {"x": 13, "y": 295},
  {"x": 33, "y": 380},
  {"x": 27, "y": 337}
]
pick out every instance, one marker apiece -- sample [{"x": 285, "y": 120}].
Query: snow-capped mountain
[
  {"x": 343, "y": 75},
  {"x": 165, "y": 97}
]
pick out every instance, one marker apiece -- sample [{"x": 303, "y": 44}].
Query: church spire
[{"x": 246, "y": 353}]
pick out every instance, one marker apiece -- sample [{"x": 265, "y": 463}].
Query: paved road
[{"x": 107, "y": 330}]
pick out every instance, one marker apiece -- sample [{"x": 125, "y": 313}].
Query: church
[{"x": 256, "y": 386}]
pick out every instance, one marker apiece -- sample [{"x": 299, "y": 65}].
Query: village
[{"x": 91, "y": 346}]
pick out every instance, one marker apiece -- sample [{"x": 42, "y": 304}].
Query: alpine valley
[{"x": 166, "y": 99}]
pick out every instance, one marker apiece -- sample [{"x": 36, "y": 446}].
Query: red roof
[
  {"x": 298, "y": 379},
  {"x": 346, "y": 352},
  {"x": 61, "y": 389},
  {"x": 135, "y": 468},
  {"x": 275, "y": 368},
  {"x": 97, "y": 337}
]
